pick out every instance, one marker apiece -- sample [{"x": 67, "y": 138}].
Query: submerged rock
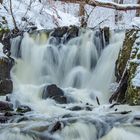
[
  {"x": 76, "y": 108},
  {"x": 23, "y": 109},
  {"x": 54, "y": 92},
  {"x": 57, "y": 126}
]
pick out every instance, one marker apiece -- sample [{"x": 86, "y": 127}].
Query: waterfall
[
  {"x": 84, "y": 69},
  {"x": 78, "y": 65}
]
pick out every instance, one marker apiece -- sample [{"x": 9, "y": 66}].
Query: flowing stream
[{"x": 84, "y": 69}]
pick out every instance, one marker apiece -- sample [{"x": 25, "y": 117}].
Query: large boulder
[{"x": 54, "y": 92}]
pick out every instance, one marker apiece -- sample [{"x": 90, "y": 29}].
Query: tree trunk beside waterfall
[{"x": 138, "y": 10}]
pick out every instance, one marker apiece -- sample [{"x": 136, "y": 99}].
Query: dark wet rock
[
  {"x": 3, "y": 119},
  {"x": 5, "y": 67},
  {"x": 7, "y": 99},
  {"x": 9, "y": 114},
  {"x": 106, "y": 33},
  {"x": 6, "y": 86},
  {"x": 59, "y": 32},
  {"x": 89, "y": 108},
  {"x": 21, "y": 119},
  {"x": 6, "y": 106},
  {"x": 60, "y": 99},
  {"x": 71, "y": 33},
  {"x": 76, "y": 108},
  {"x": 54, "y": 92},
  {"x": 57, "y": 126},
  {"x": 23, "y": 109},
  {"x": 67, "y": 116},
  {"x": 64, "y": 34}
]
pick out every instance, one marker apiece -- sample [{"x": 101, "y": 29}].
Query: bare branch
[
  {"x": 14, "y": 21},
  {"x": 111, "y": 5}
]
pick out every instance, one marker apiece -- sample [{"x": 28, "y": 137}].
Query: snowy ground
[{"x": 50, "y": 14}]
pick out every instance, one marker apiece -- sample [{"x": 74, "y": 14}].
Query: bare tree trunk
[
  {"x": 14, "y": 21},
  {"x": 110, "y": 5},
  {"x": 82, "y": 14},
  {"x": 138, "y": 10}
]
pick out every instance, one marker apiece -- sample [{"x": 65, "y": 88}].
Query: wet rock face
[
  {"x": 6, "y": 84},
  {"x": 54, "y": 92},
  {"x": 126, "y": 67},
  {"x": 5, "y": 67},
  {"x": 5, "y": 106},
  {"x": 64, "y": 34},
  {"x": 125, "y": 53},
  {"x": 59, "y": 32}
]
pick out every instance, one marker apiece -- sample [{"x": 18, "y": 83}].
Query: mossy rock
[
  {"x": 127, "y": 63},
  {"x": 125, "y": 53},
  {"x": 133, "y": 95},
  {"x": 3, "y": 31},
  {"x": 23, "y": 109}
]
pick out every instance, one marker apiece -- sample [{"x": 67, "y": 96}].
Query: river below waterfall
[{"x": 83, "y": 69}]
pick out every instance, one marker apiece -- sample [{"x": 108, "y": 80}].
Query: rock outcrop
[
  {"x": 127, "y": 68},
  {"x": 6, "y": 84}
]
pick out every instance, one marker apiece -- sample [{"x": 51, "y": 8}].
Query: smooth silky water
[{"x": 84, "y": 69}]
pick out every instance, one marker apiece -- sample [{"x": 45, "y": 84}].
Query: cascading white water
[
  {"x": 76, "y": 65},
  {"x": 82, "y": 69}
]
